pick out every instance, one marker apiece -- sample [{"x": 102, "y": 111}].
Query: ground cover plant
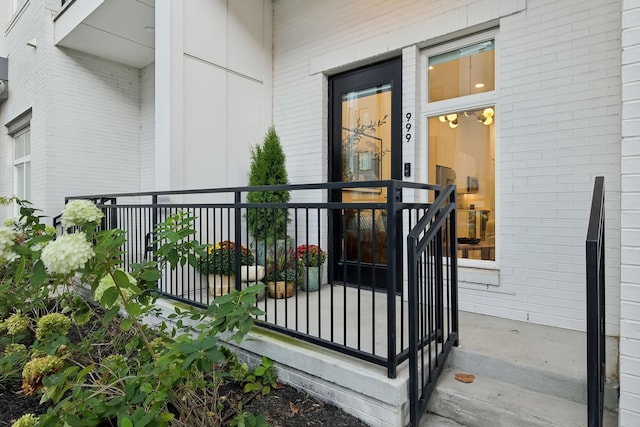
[{"x": 81, "y": 362}]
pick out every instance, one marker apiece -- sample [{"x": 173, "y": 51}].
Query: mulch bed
[{"x": 283, "y": 406}]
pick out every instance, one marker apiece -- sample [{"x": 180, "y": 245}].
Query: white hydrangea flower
[
  {"x": 10, "y": 222},
  {"x": 7, "y": 240},
  {"x": 67, "y": 253},
  {"x": 80, "y": 212}
]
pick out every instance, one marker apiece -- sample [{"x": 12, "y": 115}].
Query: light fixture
[
  {"x": 484, "y": 116},
  {"x": 479, "y": 85}
]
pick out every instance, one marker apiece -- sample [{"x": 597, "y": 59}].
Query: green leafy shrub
[
  {"x": 27, "y": 420},
  {"x": 15, "y": 348},
  {"x": 153, "y": 377},
  {"x": 52, "y": 324},
  {"x": 16, "y": 324},
  {"x": 263, "y": 378},
  {"x": 35, "y": 369}
]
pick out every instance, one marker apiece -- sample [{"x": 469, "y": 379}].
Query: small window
[
  {"x": 22, "y": 163},
  {"x": 466, "y": 71}
]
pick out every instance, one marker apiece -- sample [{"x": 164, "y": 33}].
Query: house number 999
[{"x": 407, "y": 126}]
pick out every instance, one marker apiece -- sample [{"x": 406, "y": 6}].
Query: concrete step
[
  {"x": 526, "y": 375},
  {"x": 487, "y": 402}
]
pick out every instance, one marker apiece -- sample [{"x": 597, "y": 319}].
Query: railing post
[
  {"x": 453, "y": 265},
  {"x": 412, "y": 276},
  {"x": 394, "y": 272},
  {"x": 238, "y": 238},
  {"x": 596, "y": 362}
]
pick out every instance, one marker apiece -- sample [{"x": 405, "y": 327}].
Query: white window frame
[
  {"x": 24, "y": 161},
  {"x": 464, "y": 103}
]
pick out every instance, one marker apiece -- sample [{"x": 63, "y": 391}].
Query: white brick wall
[
  {"x": 85, "y": 130},
  {"x": 147, "y": 128},
  {"x": 558, "y": 126},
  {"x": 630, "y": 223}
]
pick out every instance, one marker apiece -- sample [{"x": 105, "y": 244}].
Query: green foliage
[
  {"x": 12, "y": 363},
  {"x": 263, "y": 378},
  {"x": 281, "y": 265},
  {"x": 268, "y": 167},
  {"x": 52, "y": 324},
  {"x": 247, "y": 419},
  {"x": 27, "y": 420},
  {"x": 22, "y": 281},
  {"x": 153, "y": 377},
  {"x": 16, "y": 324}
]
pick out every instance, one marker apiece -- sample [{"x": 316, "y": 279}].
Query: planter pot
[
  {"x": 280, "y": 289},
  {"x": 251, "y": 273},
  {"x": 311, "y": 279},
  {"x": 220, "y": 284}
]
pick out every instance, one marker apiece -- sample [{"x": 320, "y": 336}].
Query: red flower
[{"x": 310, "y": 255}]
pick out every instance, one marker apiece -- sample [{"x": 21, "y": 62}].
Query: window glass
[
  {"x": 462, "y": 152},
  {"x": 22, "y": 163},
  {"x": 462, "y": 72}
]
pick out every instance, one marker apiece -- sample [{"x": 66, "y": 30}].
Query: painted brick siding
[
  {"x": 630, "y": 219},
  {"x": 558, "y": 126},
  {"x": 86, "y": 124},
  {"x": 559, "y": 98},
  {"x": 93, "y": 127},
  {"x": 147, "y": 128}
]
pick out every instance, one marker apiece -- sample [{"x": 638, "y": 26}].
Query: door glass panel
[
  {"x": 366, "y": 156},
  {"x": 462, "y": 152}
]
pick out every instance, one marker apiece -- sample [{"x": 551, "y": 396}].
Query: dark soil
[
  {"x": 284, "y": 406},
  {"x": 288, "y": 406}
]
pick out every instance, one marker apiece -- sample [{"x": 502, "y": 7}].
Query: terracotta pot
[{"x": 280, "y": 289}]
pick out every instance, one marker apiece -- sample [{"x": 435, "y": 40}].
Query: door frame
[{"x": 388, "y": 71}]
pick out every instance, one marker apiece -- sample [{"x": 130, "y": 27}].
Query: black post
[{"x": 596, "y": 363}]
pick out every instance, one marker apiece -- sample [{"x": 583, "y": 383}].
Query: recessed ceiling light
[
  {"x": 431, "y": 67},
  {"x": 479, "y": 85}
]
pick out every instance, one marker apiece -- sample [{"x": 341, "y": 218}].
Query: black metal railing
[
  {"x": 362, "y": 308},
  {"x": 595, "y": 260},
  {"x": 433, "y": 298}
]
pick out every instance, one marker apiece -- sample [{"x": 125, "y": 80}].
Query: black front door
[{"x": 365, "y": 145}]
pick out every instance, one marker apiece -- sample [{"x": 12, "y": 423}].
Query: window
[
  {"x": 461, "y": 113},
  {"x": 22, "y": 163},
  {"x": 20, "y": 130}
]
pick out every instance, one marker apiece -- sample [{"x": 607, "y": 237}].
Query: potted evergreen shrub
[{"x": 268, "y": 226}]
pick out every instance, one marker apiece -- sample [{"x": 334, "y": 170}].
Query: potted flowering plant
[
  {"x": 219, "y": 262},
  {"x": 281, "y": 273},
  {"x": 310, "y": 259},
  {"x": 310, "y": 255}
]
